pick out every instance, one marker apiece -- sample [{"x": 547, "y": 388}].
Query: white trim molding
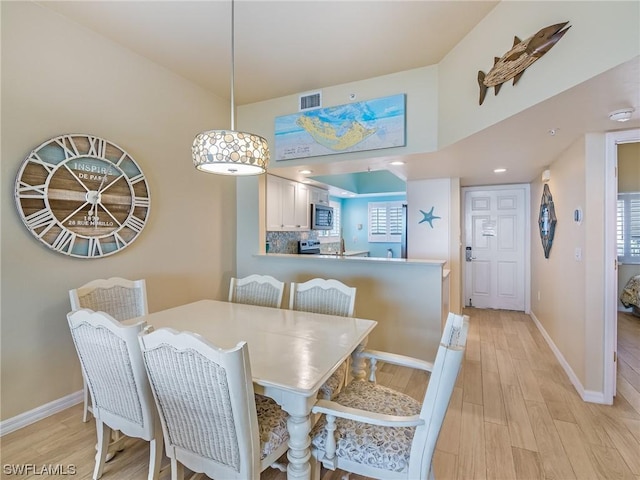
[
  {"x": 586, "y": 395},
  {"x": 32, "y": 416},
  {"x": 610, "y": 333}
]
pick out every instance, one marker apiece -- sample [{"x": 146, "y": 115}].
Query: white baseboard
[
  {"x": 27, "y": 418},
  {"x": 586, "y": 395}
]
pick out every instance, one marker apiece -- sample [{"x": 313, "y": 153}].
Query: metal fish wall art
[{"x": 523, "y": 53}]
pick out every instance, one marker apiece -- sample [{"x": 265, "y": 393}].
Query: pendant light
[{"x": 227, "y": 152}]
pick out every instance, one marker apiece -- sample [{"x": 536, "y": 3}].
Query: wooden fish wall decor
[{"x": 523, "y": 53}]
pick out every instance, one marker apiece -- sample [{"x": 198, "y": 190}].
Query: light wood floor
[{"x": 513, "y": 415}]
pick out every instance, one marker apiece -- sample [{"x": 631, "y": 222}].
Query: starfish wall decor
[{"x": 428, "y": 217}]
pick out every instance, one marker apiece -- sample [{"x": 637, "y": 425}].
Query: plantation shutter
[
  {"x": 385, "y": 222},
  {"x": 628, "y": 228}
]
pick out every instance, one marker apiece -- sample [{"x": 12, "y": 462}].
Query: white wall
[
  {"x": 571, "y": 308},
  {"x": 595, "y": 286},
  {"x": 558, "y": 282},
  {"x": 60, "y": 78},
  {"x": 420, "y": 86},
  {"x": 424, "y": 239},
  {"x": 603, "y": 35},
  {"x": 443, "y": 240}
]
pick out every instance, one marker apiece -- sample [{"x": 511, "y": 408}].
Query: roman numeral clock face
[{"x": 82, "y": 196}]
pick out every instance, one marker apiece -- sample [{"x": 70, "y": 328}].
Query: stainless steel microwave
[{"x": 321, "y": 217}]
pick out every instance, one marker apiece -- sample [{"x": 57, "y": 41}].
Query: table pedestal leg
[
  {"x": 357, "y": 363},
  {"x": 299, "y": 454}
]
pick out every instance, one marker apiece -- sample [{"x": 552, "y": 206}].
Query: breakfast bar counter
[
  {"x": 352, "y": 256},
  {"x": 407, "y": 297}
]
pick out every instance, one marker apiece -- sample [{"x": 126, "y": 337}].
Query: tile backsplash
[{"x": 287, "y": 242}]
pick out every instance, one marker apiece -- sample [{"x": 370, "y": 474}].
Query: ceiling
[{"x": 300, "y": 46}]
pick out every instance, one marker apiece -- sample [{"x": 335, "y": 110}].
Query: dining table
[{"x": 292, "y": 354}]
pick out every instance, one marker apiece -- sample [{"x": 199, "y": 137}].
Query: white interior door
[{"x": 495, "y": 247}]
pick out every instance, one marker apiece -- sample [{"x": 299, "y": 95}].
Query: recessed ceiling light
[
  {"x": 397, "y": 162},
  {"x": 621, "y": 115},
  {"x": 500, "y": 170},
  {"x": 305, "y": 172}
]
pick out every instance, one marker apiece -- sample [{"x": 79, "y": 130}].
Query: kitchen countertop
[
  {"x": 351, "y": 258},
  {"x": 350, "y": 253}
]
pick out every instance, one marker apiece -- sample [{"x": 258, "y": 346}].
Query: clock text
[
  {"x": 87, "y": 167},
  {"x": 87, "y": 176}
]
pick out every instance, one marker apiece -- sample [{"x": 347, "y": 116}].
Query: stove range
[{"x": 308, "y": 247}]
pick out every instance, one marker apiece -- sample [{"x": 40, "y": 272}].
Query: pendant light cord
[
  {"x": 227, "y": 152},
  {"x": 233, "y": 123}
]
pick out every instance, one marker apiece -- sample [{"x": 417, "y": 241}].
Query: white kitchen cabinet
[
  {"x": 302, "y": 207},
  {"x": 295, "y": 206},
  {"x": 274, "y": 203},
  {"x": 319, "y": 196},
  {"x": 287, "y": 205}
]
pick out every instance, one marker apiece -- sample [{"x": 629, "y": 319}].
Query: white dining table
[{"x": 292, "y": 354}]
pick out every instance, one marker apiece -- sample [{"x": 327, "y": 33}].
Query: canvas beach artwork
[{"x": 367, "y": 125}]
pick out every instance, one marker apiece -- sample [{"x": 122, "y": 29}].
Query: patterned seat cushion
[
  {"x": 272, "y": 422},
  {"x": 332, "y": 386},
  {"x": 381, "y": 447}
]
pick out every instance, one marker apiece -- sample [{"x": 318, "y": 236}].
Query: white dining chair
[
  {"x": 212, "y": 420},
  {"x": 111, "y": 362},
  {"x": 330, "y": 297},
  {"x": 320, "y": 295},
  {"x": 263, "y": 290},
  {"x": 121, "y": 298},
  {"x": 377, "y": 432}
]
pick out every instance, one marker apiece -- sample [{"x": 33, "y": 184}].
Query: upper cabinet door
[
  {"x": 289, "y": 220},
  {"x": 319, "y": 196},
  {"x": 287, "y": 205},
  {"x": 274, "y": 203},
  {"x": 302, "y": 209}
]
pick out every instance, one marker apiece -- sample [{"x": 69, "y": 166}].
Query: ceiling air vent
[{"x": 309, "y": 101}]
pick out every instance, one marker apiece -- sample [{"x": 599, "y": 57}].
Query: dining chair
[
  {"x": 331, "y": 297},
  {"x": 212, "y": 420},
  {"x": 377, "y": 432},
  {"x": 121, "y": 298},
  {"x": 319, "y": 295},
  {"x": 263, "y": 290},
  {"x": 112, "y": 365}
]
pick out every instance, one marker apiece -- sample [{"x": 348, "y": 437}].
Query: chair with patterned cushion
[
  {"x": 377, "y": 432},
  {"x": 263, "y": 290},
  {"x": 330, "y": 297},
  {"x": 212, "y": 420},
  {"x": 121, "y": 298},
  {"x": 112, "y": 365}
]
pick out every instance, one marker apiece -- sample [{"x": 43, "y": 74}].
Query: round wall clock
[{"x": 82, "y": 196}]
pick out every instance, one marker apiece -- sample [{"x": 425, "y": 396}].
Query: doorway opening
[
  {"x": 612, "y": 140},
  {"x": 496, "y": 267}
]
